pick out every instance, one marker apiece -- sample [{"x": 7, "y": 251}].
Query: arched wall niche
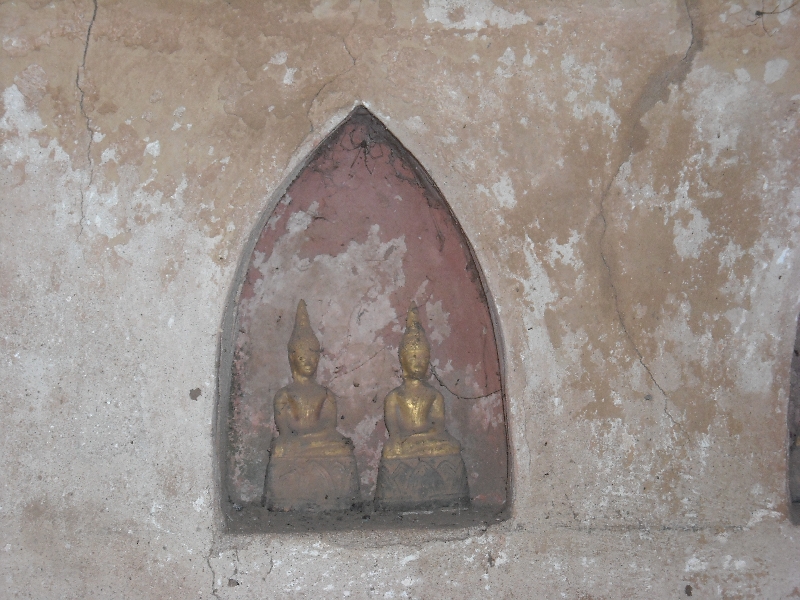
[{"x": 359, "y": 232}]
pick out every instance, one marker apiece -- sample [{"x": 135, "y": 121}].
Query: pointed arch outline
[{"x": 305, "y": 155}]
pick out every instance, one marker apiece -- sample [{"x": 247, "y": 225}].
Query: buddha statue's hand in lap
[
  {"x": 421, "y": 464},
  {"x": 312, "y": 465}
]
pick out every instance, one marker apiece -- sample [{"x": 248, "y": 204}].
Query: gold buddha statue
[
  {"x": 421, "y": 465},
  {"x": 312, "y": 465}
]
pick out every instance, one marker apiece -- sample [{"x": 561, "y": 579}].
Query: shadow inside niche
[{"x": 793, "y": 417}]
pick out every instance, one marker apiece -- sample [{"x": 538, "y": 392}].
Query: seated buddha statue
[
  {"x": 311, "y": 465},
  {"x": 421, "y": 465}
]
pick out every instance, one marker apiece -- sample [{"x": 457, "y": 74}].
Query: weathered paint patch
[{"x": 475, "y": 15}]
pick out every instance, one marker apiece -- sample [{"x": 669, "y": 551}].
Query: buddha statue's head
[
  {"x": 415, "y": 351},
  {"x": 304, "y": 346}
]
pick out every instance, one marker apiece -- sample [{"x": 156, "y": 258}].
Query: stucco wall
[{"x": 627, "y": 173}]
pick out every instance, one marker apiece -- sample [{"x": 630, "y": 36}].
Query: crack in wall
[
  {"x": 338, "y": 75},
  {"x": 571, "y": 507},
  {"x": 614, "y": 292},
  {"x": 656, "y": 89},
  {"x": 338, "y": 375},
  {"x": 444, "y": 385},
  {"x": 344, "y": 43},
  {"x": 692, "y": 49},
  {"x": 231, "y": 581},
  {"x": 81, "y": 70},
  {"x": 213, "y": 576},
  {"x": 644, "y": 527}
]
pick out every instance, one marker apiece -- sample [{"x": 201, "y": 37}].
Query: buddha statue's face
[
  {"x": 414, "y": 359},
  {"x": 304, "y": 358}
]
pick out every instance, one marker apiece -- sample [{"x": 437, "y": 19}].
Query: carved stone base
[
  {"x": 421, "y": 483},
  {"x": 311, "y": 483}
]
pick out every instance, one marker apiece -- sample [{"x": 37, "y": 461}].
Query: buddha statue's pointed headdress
[
  {"x": 302, "y": 334},
  {"x": 414, "y": 335}
]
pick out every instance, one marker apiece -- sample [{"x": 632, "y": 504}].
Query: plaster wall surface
[{"x": 627, "y": 173}]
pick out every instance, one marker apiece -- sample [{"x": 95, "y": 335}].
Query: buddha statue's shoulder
[
  {"x": 404, "y": 392},
  {"x": 310, "y": 389},
  {"x": 432, "y": 393},
  {"x": 303, "y": 395},
  {"x": 395, "y": 395},
  {"x": 283, "y": 394},
  {"x": 424, "y": 396}
]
